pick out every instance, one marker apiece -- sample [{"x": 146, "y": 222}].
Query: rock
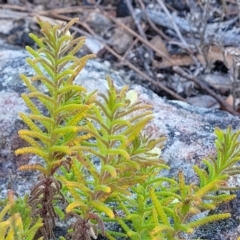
[
  {"x": 218, "y": 81},
  {"x": 6, "y": 26},
  {"x": 205, "y": 101},
  {"x": 122, "y": 39},
  {"x": 122, "y": 9},
  {"x": 189, "y": 130},
  {"x": 97, "y": 20},
  {"x": 94, "y": 45}
]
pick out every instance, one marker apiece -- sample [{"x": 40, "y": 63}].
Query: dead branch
[
  {"x": 153, "y": 26},
  {"x": 139, "y": 27},
  {"x": 126, "y": 62},
  {"x": 203, "y": 86}
]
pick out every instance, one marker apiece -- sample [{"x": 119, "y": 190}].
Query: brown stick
[
  {"x": 139, "y": 27},
  {"x": 160, "y": 85},
  {"x": 173, "y": 23},
  {"x": 176, "y": 69},
  {"x": 204, "y": 86},
  {"x": 153, "y": 26},
  {"x": 138, "y": 36},
  {"x": 129, "y": 64}
]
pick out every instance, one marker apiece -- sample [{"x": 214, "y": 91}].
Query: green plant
[
  {"x": 97, "y": 160},
  {"x": 163, "y": 207},
  {"x": 115, "y": 123},
  {"x": 51, "y": 136},
  {"x": 17, "y": 223}
]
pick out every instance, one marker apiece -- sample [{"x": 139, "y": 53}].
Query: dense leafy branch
[{"x": 96, "y": 156}]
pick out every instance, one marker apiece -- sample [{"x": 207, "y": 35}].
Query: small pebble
[{"x": 107, "y": 63}]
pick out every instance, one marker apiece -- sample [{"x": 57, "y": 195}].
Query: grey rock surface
[{"x": 189, "y": 130}]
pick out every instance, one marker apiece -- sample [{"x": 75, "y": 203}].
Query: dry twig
[
  {"x": 158, "y": 84},
  {"x": 88, "y": 31},
  {"x": 153, "y": 26},
  {"x": 204, "y": 87},
  {"x": 173, "y": 23},
  {"x": 138, "y": 25}
]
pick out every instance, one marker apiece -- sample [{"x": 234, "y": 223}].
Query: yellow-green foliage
[
  {"x": 96, "y": 155},
  {"x": 50, "y": 135},
  {"x": 163, "y": 207},
  {"x": 115, "y": 124},
  {"x": 54, "y": 129},
  {"x": 15, "y": 221}
]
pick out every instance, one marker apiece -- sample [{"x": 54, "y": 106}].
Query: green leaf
[
  {"x": 162, "y": 215},
  {"x": 102, "y": 208},
  {"x": 103, "y": 188},
  {"x": 110, "y": 169},
  {"x": 208, "y": 219}
]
